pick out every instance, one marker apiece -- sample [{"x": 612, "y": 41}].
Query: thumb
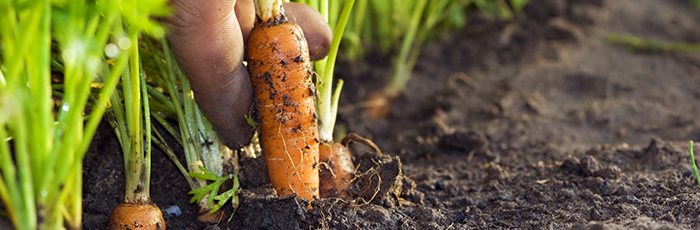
[{"x": 207, "y": 41}]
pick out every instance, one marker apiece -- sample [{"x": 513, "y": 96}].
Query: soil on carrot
[{"x": 532, "y": 123}]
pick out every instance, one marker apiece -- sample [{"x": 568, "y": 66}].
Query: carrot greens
[
  {"x": 205, "y": 154},
  {"x": 400, "y": 29},
  {"x": 692, "y": 160},
  {"x": 42, "y": 146},
  {"x": 327, "y": 101}
]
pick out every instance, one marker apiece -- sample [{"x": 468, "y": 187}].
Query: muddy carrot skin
[
  {"x": 280, "y": 71},
  {"x": 136, "y": 216},
  {"x": 336, "y": 171}
]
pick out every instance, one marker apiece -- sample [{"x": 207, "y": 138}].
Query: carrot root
[
  {"x": 336, "y": 171},
  {"x": 278, "y": 63},
  {"x": 136, "y": 217}
]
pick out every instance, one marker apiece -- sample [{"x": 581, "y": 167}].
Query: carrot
[
  {"x": 379, "y": 104},
  {"x": 131, "y": 122},
  {"x": 136, "y": 216},
  {"x": 336, "y": 170},
  {"x": 280, "y": 72}
]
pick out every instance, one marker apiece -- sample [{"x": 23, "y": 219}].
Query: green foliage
[
  {"x": 494, "y": 8},
  {"x": 213, "y": 188},
  {"x": 499, "y": 8},
  {"x": 518, "y": 5},
  {"x": 327, "y": 101},
  {"x": 171, "y": 94},
  {"x": 41, "y": 180},
  {"x": 400, "y": 29},
  {"x": 692, "y": 160},
  {"x": 251, "y": 122},
  {"x": 128, "y": 121}
]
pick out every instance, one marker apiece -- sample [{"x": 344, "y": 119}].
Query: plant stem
[
  {"x": 137, "y": 165},
  {"x": 185, "y": 108},
  {"x": 167, "y": 128},
  {"x": 196, "y": 134},
  {"x": 269, "y": 9},
  {"x": 168, "y": 151},
  {"x": 146, "y": 179},
  {"x": 327, "y": 103},
  {"x": 400, "y": 74},
  {"x": 692, "y": 160},
  {"x": 41, "y": 187}
]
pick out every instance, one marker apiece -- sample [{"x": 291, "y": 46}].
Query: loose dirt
[{"x": 527, "y": 124}]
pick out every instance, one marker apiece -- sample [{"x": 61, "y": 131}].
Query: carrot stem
[
  {"x": 327, "y": 103},
  {"x": 400, "y": 72},
  {"x": 692, "y": 161},
  {"x": 269, "y": 9},
  {"x": 160, "y": 141},
  {"x": 201, "y": 145},
  {"x": 137, "y": 186}
]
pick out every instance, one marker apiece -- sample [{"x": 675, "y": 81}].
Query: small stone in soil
[
  {"x": 632, "y": 199},
  {"x": 172, "y": 211},
  {"x": 440, "y": 185}
]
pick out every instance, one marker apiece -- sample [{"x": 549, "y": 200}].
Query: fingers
[
  {"x": 208, "y": 43},
  {"x": 316, "y": 30},
  {"x": 207, "y": 38},
  {"x": 245, "y": 11}
]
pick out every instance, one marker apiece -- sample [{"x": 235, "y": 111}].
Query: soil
[{"x": 527, "y": 124}]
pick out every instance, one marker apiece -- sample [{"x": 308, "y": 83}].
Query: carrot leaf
[
  {"x": 692, "y": 160},
  {"x": 213, "y": 188},
  {"x": 249, "y": 119}
]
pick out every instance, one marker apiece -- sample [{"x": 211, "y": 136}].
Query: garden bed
[{"x": 533, "y": 123}]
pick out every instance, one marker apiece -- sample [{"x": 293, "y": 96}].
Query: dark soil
[{"x": 530, "y": 124}]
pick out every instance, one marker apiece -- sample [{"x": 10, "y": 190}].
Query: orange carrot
[
  {"x": 278, "y": 63},
  {"x": 336, "y": 171},
  {"x": 379, "y": 105},
  {"x": 136, "y": 216}
]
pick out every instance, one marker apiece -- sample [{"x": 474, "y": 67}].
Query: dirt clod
[
  {"x": 571, "y": 164},
  {"x": 589, "y": 166},
  {"x": 379, "y": 176},
  {"x": 611, "y": 172}
]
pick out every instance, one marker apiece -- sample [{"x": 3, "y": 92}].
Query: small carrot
[
  {"x": 136, "y": 216},
  {"x": 336, "y": 172},
  {"x": 280, "y": 72}
]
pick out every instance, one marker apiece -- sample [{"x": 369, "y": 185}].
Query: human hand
[{"x": 208, "y": 39}]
